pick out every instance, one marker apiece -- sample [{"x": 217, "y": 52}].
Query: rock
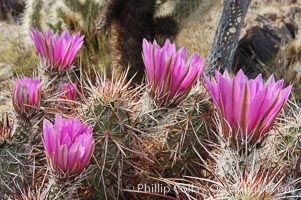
[
  {"x": 260, "y": 41},
  {"x": 11, "y": 8},
  {"x": 292, "y": 11}
]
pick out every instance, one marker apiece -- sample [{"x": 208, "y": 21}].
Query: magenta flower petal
[
  {"x": 87, "y": 145},
  {"x": 249, "y": 107},
  {"x": 74, "y": 154},
  {"x": 61, "y": 157},
  {"x": 70, "y": 143},
  {"x": 170, "y": 76},
  {"x": 49, "y": 136},
  {"x": 213, "y": 90},
  {"x": 58, "y": 51}
]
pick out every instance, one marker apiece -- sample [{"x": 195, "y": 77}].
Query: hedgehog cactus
[
  {"x": 110, "y": 99},
  {"x": 177, "y": 113},
  {"x": 22, "y": 148},
  {"x": 24, "y": 154},
  {"x": 107, "y": 107},
  {"x": 126, "y": 149},
  {"x": 57, "y": 53},
  {"x": 18, "y": 153},
  {"x": 27, "y": 102}
]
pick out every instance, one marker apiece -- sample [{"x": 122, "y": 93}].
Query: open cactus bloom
[
  {"x": 69, "y": 91},
  {"x": 247, "y": 108},
  {"x": 27, "y": 93},
  {"x": 69, "y": 145},
  {"x": 58, "y": 51},
  {"x": 170, "y": 76}
]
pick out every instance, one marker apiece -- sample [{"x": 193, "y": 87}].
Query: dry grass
[
  {"x": 13, "y": 52},
  {"x": 198, "y": 29},
  {"x": 15, "y": 59}
]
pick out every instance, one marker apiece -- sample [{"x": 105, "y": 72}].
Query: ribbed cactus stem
[
  {"x": 26, "y": 130},
  {"x": 15, "y": 157},
  {"x": 54, "y": 189},
  {"x": 58, "y": 189},
  {"x": 21, "y": 130}
]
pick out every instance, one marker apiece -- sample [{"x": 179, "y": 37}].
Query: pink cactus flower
[
  {"x": 169, "y": 75},
  {"x": 27, "y": 93},
  {"x": 69, "y": 145},
  {"x": 69, "y": 91},
  {"x": 247, "y": 108},
  {"x": 58, "y": 51}
]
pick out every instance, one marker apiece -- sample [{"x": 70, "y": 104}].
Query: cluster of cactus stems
[{"x": 75, "y": 137}]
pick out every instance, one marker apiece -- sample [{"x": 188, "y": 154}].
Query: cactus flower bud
[
  {"x": 69, "y": 91},
  {"x": 27, "y": 94}
]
